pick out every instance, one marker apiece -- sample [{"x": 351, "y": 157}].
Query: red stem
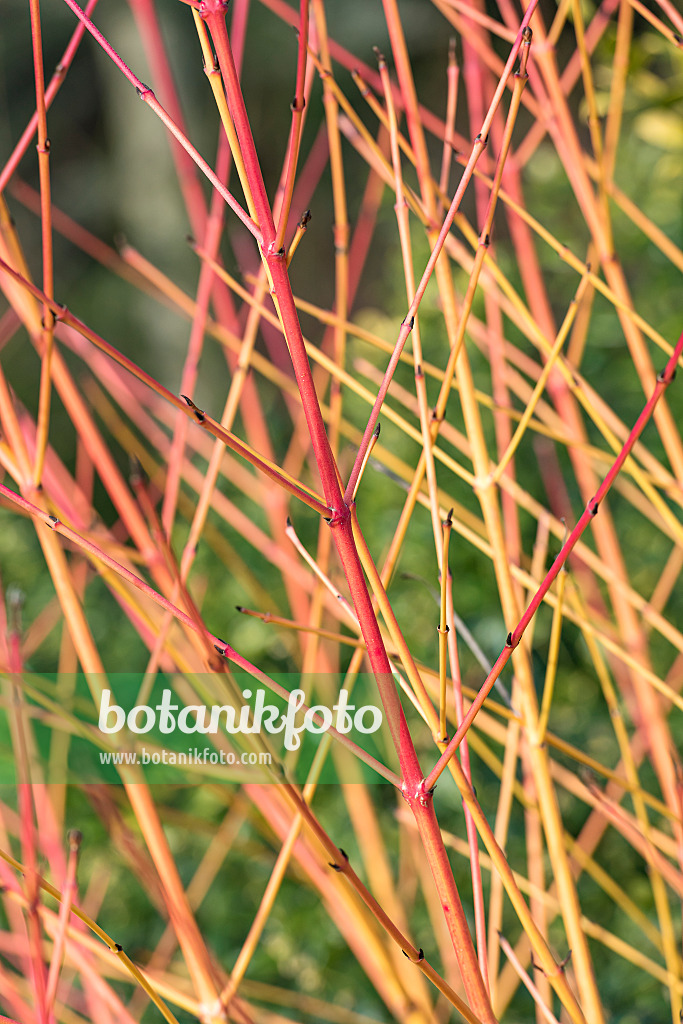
[
  {"x": 591, "y": 510},
  {"x": 417, "y": 795},
  {"x": 50, "y": 93},
  {"x": 477, "y": 149},
  {"x": 298, "y": 106}
]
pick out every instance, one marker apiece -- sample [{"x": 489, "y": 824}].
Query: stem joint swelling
[
  {"x": 512, "y": 639},
  {"x": 339, "y": 517},
  {"x": 208, "y": 7},
  {"x": 665, "y": 377},
  {"x": 271, "y": 253},
  {"x": 420, "y": 794}
]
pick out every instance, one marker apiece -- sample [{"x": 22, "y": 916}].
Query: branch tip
[
  {"x": 75, "y": 838},
  {"x": 136, "y": 471}
]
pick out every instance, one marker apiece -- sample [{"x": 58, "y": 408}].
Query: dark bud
[
  {"x": 75, "y": 838},
  {"x": 136, "y": 473}
]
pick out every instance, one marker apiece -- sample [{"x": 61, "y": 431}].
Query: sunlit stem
[
  {"x": 69, "y": 895},
  {"x": 443, "y": 629},
  {"x": 279, "y": 620},
  {"x": 212, "y": 72},
  {"x": 408, "y": 273},
  {"x": 553, "y": 658},
  {"x": 541, "y": 382},
  {"x": 402, "y": 647},
  {"x": 522, "y": 41},
  {"x": 294, "y": 144},
  {"x": 101, "y": 934},
  {"x": 375, "y": 439},
  {"x": 591, "y": 510},
  {"x": 53, "y": 88},
  {"x": 526, "y": 981},
  {"x": 43, "y": 147},
  {"x": 264, "y": 465},
  {"x": 148, "y": 97},
  {"x": 451, "y": 106},
  {"x": 323, "y": 577},
  {"x": 298, "y": 235}
]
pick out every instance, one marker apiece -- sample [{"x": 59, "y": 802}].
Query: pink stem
[
  {"x": 407, "y": 325},
  {"x": 418, "y": 797},
  {"x": 147, "y": 95},
  {"x": 50, "y": 93},
  {"x": 591, "y": 510}
]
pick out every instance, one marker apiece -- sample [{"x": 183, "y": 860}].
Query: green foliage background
[{"x": 112, "y": 173}]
